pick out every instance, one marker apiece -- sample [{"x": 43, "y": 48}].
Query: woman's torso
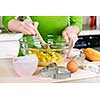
[{"x": 51, "y": 25}]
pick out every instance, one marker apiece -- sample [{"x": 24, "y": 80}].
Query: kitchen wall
[
  {"x": 98, "y": 21},
  {"x": 0, "y": 21},
  {"x": 85, "y": 20}
]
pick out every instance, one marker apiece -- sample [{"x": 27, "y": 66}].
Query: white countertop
[
  {"x": 79, "y": 78},
  {"x": 89, "y": 32},
  {"x": 8, "y": 75}
]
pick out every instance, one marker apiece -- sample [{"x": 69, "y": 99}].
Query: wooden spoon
[{"x": 43, "y": 43}]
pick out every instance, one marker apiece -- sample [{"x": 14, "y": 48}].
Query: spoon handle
[{"x": 43, "y": 43}]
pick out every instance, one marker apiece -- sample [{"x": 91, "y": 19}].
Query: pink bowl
[{"x": 26, "y": 65}]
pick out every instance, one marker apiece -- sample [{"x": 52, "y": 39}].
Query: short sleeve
[{"x": 6, "y": 19}]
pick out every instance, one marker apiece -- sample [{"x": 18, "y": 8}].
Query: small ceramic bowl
[{"x": 25, "y": 65}]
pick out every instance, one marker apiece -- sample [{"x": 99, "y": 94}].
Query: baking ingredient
[
  {"x": 72, "y": 66},
  {"x": 92, "y": 54},
  {"x": 46, "y": 56}
]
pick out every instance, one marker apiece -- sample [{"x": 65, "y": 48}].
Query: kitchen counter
[
  {"x": 31, "y": 80},
  {"x": 8, "y": 75},
  {"x": 15, "y": 79},
  {"x": 90, "y": 80}
]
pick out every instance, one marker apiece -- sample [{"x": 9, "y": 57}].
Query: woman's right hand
[
  {"x": 26, "y": 27},
  {"x": 29, "y": 28}
]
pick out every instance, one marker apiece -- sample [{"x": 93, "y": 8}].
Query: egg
[{"x": 72, "y": 66}]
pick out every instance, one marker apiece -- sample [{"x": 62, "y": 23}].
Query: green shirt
[
  {"x": 50, "y": 24},
  {"x": 53, "y": 25}
]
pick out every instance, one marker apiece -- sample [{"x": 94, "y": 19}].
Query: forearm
[{"x": 15, "y": 25}]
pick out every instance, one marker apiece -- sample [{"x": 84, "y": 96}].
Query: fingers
[
  {"x": 36, "y": 24},
  {"x": 65, "y": 35},
  {"x": 27, "y": 30},
  {"x": 72, "y": 29},
  {"x": 30, "y": 28},
  {"x": 70, "y": 36},
  {"x": 70, "y": 33}
]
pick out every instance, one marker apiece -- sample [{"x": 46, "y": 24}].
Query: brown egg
[{"x": 72, "y": 66}]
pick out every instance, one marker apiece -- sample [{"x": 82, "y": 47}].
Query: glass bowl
[{"x": 45, "y": 56}]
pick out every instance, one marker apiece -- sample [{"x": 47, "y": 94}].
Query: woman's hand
[
  {"x": 26, "y": 27},
  {"x": 29, "y": 28},
  {"x": 71, "y": 34}
]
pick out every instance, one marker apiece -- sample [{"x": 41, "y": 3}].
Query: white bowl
[
  {"x": 9, "y": 44},
  {"x": 26, "y": 65}
]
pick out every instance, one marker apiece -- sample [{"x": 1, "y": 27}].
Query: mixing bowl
[{"x": 45, "y": 56}]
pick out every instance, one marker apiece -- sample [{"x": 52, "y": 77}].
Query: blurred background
[{"x": 89, "y": 22}]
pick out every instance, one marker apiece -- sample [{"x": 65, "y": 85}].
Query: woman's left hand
[{"x": 70, "y": 34}]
